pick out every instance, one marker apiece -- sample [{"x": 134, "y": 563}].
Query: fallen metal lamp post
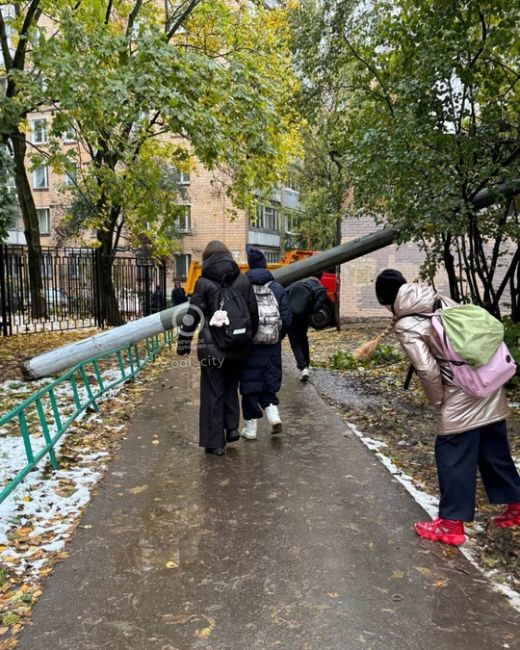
[
  {"x": 68, "y": 355},
  {"x": 73, "y": 353}
]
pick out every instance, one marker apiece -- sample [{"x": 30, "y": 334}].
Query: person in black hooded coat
[
  {"x": 219, "y": 376},
  {"x": 262, "y": 374}
]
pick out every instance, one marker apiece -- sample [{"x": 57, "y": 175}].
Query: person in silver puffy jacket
[{"x": 471, "y": 431}]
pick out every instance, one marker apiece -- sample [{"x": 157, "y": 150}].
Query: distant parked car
[
  {"x": 128, "y": 301},
  {"x": 57, "y": 298}
]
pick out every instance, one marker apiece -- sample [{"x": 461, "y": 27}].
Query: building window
[
  {"x": 69, "y": 137},
  {"x": 41, "y": 178},
  {"x": 267, "y": 218},
  {"x": 183, "y": 178},
  {"x": 39, "y": 131},
  {"x": 292, "y": 182},
  {"x": 71, "y": 176},
  {"x": 291, "y": 223},
  {"x": 44, "y": 220},
  {"x": 183, "y": 221},
  {"x": 175, "y": 177},
  {"x": 181, "y": 263}
]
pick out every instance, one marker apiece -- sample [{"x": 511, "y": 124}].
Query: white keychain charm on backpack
[{"x": 220, "y": 317}]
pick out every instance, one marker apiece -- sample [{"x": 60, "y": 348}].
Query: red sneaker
[
  {"x": 510, "y": 517},
  {"x": 447, "y": 531}
]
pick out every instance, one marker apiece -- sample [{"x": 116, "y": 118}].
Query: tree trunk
[
  {"x": 451, "y": 272},
  {"x": 110, "y": 307},
  {"x": 31, "y": 226}
]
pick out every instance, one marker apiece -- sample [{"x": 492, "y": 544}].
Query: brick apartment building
[
  {"x": 208, "y": 217},
  {"x": 207, "y": 214},
  {"x": 358, "y": 299}
]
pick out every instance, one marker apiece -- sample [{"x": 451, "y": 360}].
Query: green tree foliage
[
  {"x": 322, "y": 192},
  {"x": 424, "y": 98},
  {"x": 146, "y": 88}
]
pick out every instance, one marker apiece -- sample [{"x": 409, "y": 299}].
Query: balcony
[
  {"x": 259, "y": 237},
  {"x": 291, "y": 199}
]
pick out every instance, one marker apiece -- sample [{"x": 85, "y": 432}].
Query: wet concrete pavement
[{"x": 296, "y": 542}]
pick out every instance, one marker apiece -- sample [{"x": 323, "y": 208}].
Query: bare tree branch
[
  {"x": 108, "y": 11},
  {"x": 4, "y": 42},
  {"x": 373, "y": 70},
  {"x": 31, "y": 18},
  {"x": 133, "y": 17},
  {"x": 180, "y": 16}
]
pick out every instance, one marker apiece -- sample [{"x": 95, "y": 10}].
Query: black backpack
[
  {"x": 239, "y": 331},
  {"x": 300, "y": 296}
]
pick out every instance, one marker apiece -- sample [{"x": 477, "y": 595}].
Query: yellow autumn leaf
[
  {"x": 138, "y": 489},
  {"x": 155, "y": 442},
  {"x": 26, "y": 499},
  {"x": 171, "y": 564},
  {"x": 424, "y": 571},
  {"x": 441, "y": 583},
  {"x": 204, "y": 632}
]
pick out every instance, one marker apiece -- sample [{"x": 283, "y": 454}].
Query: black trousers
[
  {"x": 299, "y": 341},
  {"x": 219, "y": 405},
  {"x": 458, "y": 456},
  {"x": 253, "y": 404}
]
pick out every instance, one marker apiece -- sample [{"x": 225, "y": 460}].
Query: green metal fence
[{"x": 50, "y": 411}]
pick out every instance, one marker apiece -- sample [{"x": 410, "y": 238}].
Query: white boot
[
  {"x": 249, "y": 431},
  {"x": 305, "y": 375},
  {"x": 274, "y": 418}
]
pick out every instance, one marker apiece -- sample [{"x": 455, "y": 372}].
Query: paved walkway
[{"x": 302, "y": 542}]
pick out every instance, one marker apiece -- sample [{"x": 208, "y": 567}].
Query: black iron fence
[{"x": 72, "y": 289}]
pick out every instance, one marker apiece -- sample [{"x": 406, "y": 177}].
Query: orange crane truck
[{"x": 324, "y": 318}]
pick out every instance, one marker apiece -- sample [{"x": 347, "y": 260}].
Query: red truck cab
[{"x": 327, "y": 314}]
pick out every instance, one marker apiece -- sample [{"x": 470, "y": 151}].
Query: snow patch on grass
[
  {"x": 430, "y": 505},
  {"x": 48, "y": 502}
]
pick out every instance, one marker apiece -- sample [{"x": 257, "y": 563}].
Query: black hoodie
[{"x": 218, "y": 268}]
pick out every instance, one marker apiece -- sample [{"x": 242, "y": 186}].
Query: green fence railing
[{"x": 46, "y": 415}]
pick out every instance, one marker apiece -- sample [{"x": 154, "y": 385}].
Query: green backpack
[{"x": 473, "y": 333}]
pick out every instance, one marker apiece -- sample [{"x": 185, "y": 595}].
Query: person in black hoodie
[
  {"x": 178, "y": 294},
  {"x": 262, "y": 374},
  {"x": 220, "y": 373},
  {"x": 298, "y": 337}
]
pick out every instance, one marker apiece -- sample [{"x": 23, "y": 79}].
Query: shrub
[{"x": 384, "y": 355}]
